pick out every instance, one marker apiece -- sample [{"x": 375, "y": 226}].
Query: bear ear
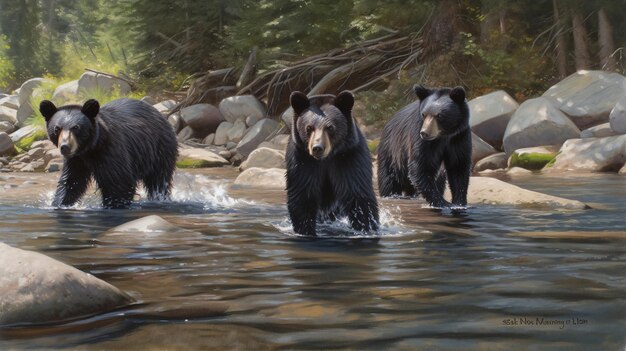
[
  {"x": 344, "y": 102},
  {"x": 47, "y": 109},
  {"x": 421, "y": 92},
  {"x": 299, "y": 102},
  {"x": 458, "y": 95},
  {"x": 91, "y": 108}
]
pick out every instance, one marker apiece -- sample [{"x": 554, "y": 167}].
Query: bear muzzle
[
  {"x": 430, "y": 128},
  {"x": 67, "y": 143},
  {"x": 319, "y": 144}
]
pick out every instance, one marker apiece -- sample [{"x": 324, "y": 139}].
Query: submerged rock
[
  {"x": 533, "y": 158},
  {"x": 267, "y": 178},
  {"x": 151, "y": 223},
  {"x": 35, "y": 288},
  {"x": 491, "y": 191},
  {"x": 495, "y": 161}
]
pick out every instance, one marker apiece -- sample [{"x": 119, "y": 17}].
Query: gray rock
[
  {"x": 149, "y": 100},
  {"x": 53, "y": 154},
  {"x": 36, "y": 153},
  {"x": 66, "y": 93},
  {"x": 176, "y": 121},
  {"x": 209, "y": 140},
  {"x": 599, "y": 131},
  {"x": 591, "y": 155},
  {"x": 587, "y": 97},
  {"x": 533, "y": 158},
  {"x": 495, "y": 161},
  {"x": 287, "y": 117},
  {"x": 221, "y": 134},
  {"x": 490, "y": 114},
  {"x": 4, "y": 160},
  {"x": 90, "y": 82},
  {"x": 251, "y": 120},
  {"x": 202, "y": 118},
  {"x": 237, "y": 131},
  {"x": 256, "y": 135},
  {"x": 281, "y": 139},
  {"x": 6, "y": 127},
  {"x": 264, "y": 158},
  {"x": 231, "y": 145},
  {"x": 201, "y": 158},
  {"x": 265, "y": 178},
  {"x": 8, "y": 114},
  {"x": 185, "y": 134},
  {"x": 44, "y": 144},
  {"x": 271, "y": 145},
  {"x": 491, "y": 191},
  {"x": 165, "y": 106},
  {"x": 519, "y": 171},
  {"x": 146, "y": 224},
  {"x": 480, "y": 149},
  {"x": 54, "y": 166},
  {"x": 538, "y": 122},
  {"x": 6, "y": 145},
  {"x": 27, "y": 90},
  {"x": 617, "y": 117},
  {"x": 225, "y": 154},
  {"x": 35, "y": 288},
  {"x": 623, "y": 170},
  {"x": 11, "y": 101},
  {"x": 241, "y": 107}
]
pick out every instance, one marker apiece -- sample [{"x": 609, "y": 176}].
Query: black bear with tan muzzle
[
  {"x": 124, "y": 142},
  {"x": 426, "y": 142},
  {"x": 329, "y": 167}
]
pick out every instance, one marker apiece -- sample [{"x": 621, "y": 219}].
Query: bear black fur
[
  {"x": 412, "y": 161},
  {"x": 123, "y": 142},
  {"x": 329, "y": 167}
]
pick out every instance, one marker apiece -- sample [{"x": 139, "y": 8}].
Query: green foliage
[
  {"x": 26, "y": 142},
  {"x": 192, "y": 163},
  {"x": 372, "y": 145},
  {"x": 7, "y": 69}
]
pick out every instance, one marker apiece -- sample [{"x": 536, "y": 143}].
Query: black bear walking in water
[
  {"x": 425, "y": 141},
  {"x": 329, "y": 167},
  {"x": 123, "y": 142}
]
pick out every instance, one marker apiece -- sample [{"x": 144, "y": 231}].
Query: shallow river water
[{"x": 491, "y": 278}]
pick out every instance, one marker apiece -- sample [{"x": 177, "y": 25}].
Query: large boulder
[
  {"x": 599, "y": 131},
  {"x": 538, "y": 122},
  {"x": 6, "y": 145},
  {"x": 617, "y": 117},
  {"x": 490, "y": 114},
  {"x": 202, "y": 118},
  {"x": 587, "y": 97},
  {"x": 35, "y": 288},
  {"x": 491, "y": 191},
  {"x": 256, "y": 135},
  {"x": 264, "y": 157},
  {"x": 221, "y": 134},
  {"x": 591, "y": 155},
  {"x": 266, "y": 178},
  {"x": 8, "y": 114},
  {"x": 287, "y": 117},
  {"x": 27, "y": 89},
  {"x": 199, "y": 158},
  {"x": 480, "y": 149},
  {"x": 90, "y": 82},
  {"x": 67, "y": 92},
  {"x": 240, "y": 107},
  {"x": 533, "y": 158}
]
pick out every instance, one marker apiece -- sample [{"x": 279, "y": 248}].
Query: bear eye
[
  {"x": 309, "y": 129},
  {"x": 57, "y": 130},
  {"x": 423, "y": 115},
  {"x": 330, "y": 129},
  {"x": 75, "y": 128}
]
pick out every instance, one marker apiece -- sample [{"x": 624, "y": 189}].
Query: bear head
[
  {"x": 72, "y": 128},
  {"x": 444, "y": 112},
  {"x": 322, "y": 124}
]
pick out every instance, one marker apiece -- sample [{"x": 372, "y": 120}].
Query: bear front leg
[
  {"x": 363, "y": 214},
  {"x": 117, "y": 192},
  {"x": 458, "y": 178},
  {"x": 303, "y": 214},
  {"x": 424, "y": 179},
  {"x": 458, "y": 163},
  {"x": 73, "y": 183}
]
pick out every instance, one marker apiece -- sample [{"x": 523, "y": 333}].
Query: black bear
[
  {"x": 123, "y": 142},
  {"x": 329, "y": 167},
  {"x": 425, "y": 141}
]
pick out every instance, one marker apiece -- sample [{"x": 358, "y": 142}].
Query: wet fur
[
  {"x": 409, "y": 165},
  {"x": 339, "y": 184},
  {"x": 126, "y": 142}
]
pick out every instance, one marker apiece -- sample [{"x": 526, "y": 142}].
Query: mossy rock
[
  {"x": 373, "y": 145},
  {"x": 531, "y": 161},
  {"x": 25, "y": 143},
  {"x": 193, "y": 163}
]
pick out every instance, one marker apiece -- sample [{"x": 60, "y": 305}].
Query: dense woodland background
[{"x": 168, "y": 47}]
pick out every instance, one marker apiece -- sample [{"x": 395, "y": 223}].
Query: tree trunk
[
  {"x": 561, "y": 49},
  {"x": 581, "y": 43},
  {"x": 249, "y": 70},
  {"x": 605, "y": 39}
]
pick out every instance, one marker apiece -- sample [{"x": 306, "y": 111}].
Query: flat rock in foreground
[
  {"x": 491, "y": 191},
  {"x": 35, "y": 288}
]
